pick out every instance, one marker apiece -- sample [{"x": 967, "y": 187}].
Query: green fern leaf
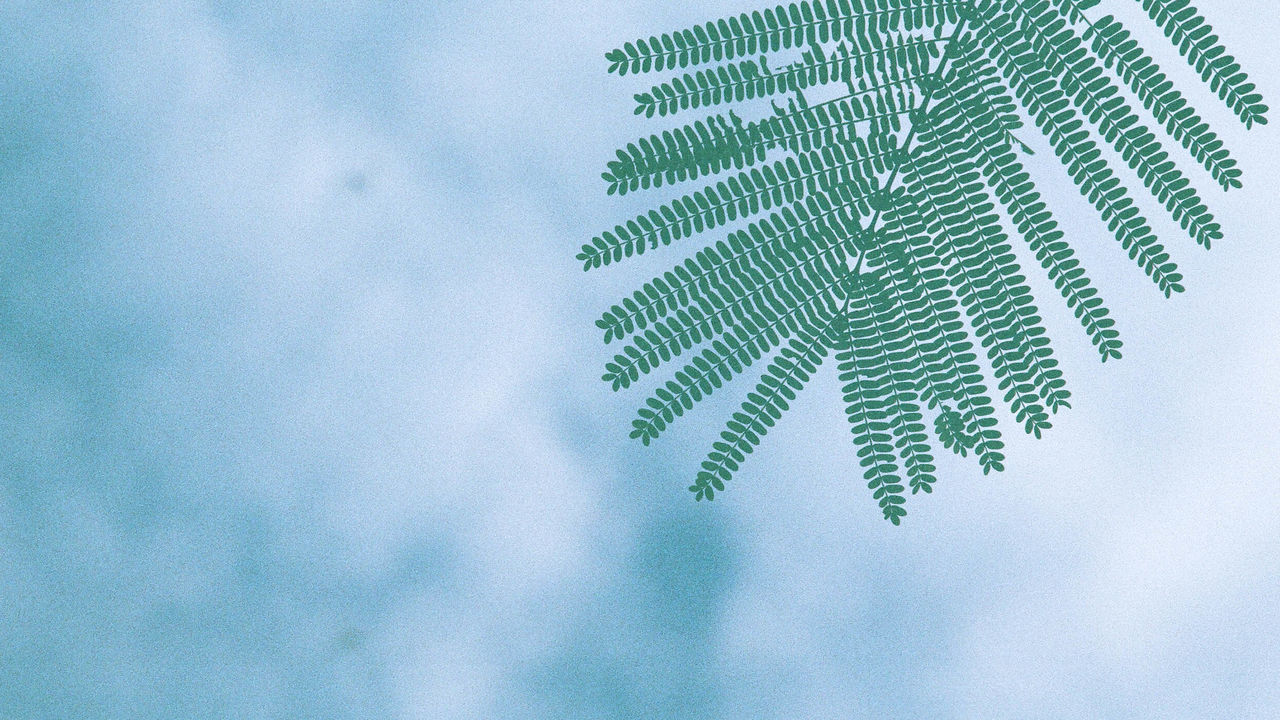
[
  {"x": 707, "y": 147},
  {"x": 1065, "y": 54},
  {"x": 747, "y": 261},
  {"x": 799, "y": 24},
  {"x": 735, "y": 351},
  {"x": 1184, "y": 25},
  {"x": 876, "y": 399},
  {"x": 974, "y": 89},
  {"x": 1057, "y": 118},
  {"x": 1112, "y": 42},
  {"x": 759, "y": 189},
  {"x": 781, "y": 382},
  {"x": 704, "y": 147},
  {"x": 1000, "y": 314},
  {"x": 948, "y": 366},
  {"x": 888, "y": 211},
  {"x": 753, "y": 321}
]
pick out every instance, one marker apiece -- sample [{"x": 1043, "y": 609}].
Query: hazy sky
[{"x": 301, "y": 418}]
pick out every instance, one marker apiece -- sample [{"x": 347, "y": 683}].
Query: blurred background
[{"x": 300, "y": 411}]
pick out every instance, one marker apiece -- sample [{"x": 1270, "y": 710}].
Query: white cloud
[{"x": 360, "y": 323}]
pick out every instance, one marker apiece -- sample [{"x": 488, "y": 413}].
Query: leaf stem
[{"x": 939, "y": 74}]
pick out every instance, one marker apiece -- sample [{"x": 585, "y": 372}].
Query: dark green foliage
[
  {"x": 1062, "y": 51},
  {"x": 1112, "y": 43},
  {"x": 1194, "y": 37},
  {"x": 946, "y": 360},
  {"x": 877, "y": 368},
  {"x": 894, "y": 61},
  {"x": 980, "y": 263},
  {"x": 786, "y": 376},
  {"x": 796, "y": 25},
  {"x": 701, "y": 148},
  {"x": 1060, "y": 121},
  {"x": 974, "y": 87},
  {"x": 818, "y": 172},
  {"x": 887, "y": 214}
]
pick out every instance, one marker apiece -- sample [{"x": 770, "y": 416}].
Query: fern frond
[
  {"x": 754, "y": 319},
  {"x": 906, "y": 422},
  {"x": 799, "y": 24},
  {"x": 1058, "y": 120},
  {"x": 1065, "y": 54},
  {"x": 969, "y": 97},
  {"x": 883, "y": 412},
  {"x": 1112, "y": 42},
  {"x": 748, "y": 260},
  {"x": 703, "y": 147},
  {"x": 783, "y": 379},
  {"x": 1000, "y": 311},
  {"x": 948, "y": 365},
  {"x": 710, "y": 146},
  {"x": 883, "y": 239},
  {"x": 867, "y": 387},
  {"x": 802, "y": 127},
  {"x": 1194, "y": 38},
  {"x": 734, "y": 82},
  {"x": 889, "y": 61},
  {"x": 984, "y": 265},
  {"x": 755, "y": 190},
  {"x": 885, "y": 55},
  {"x": 735, "y": 351}
]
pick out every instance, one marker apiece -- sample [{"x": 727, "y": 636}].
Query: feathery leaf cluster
[{"x": 878, "y": 227}]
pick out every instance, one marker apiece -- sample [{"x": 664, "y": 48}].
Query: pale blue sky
[{"x": 301, "y": 417}]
